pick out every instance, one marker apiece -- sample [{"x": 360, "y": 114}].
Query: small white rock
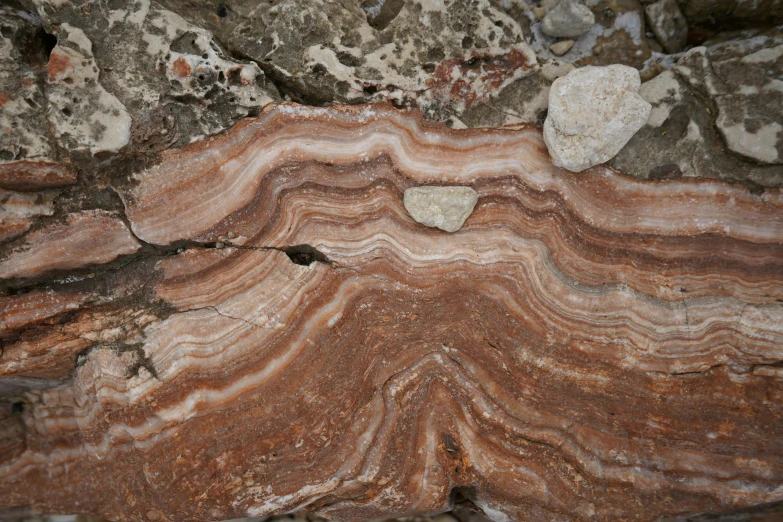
[
  {"x": 446, "y": 208},
  {"x": 568, "y": 19},
  {"x": 562, "y": 47},
  {"x": 593, "y": 112}
]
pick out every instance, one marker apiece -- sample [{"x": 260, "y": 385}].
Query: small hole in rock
[
  {"x": 66, "y": 111},
  {"x": 305, "y": 255},
  {"x": 17, "y": 407},
  {"x": 222, "y": 11}
]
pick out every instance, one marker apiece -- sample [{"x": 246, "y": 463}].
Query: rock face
[
  {"x": 445, "y": 208},
  {"x": 558, "y": 358},
  {"x": 443, "y": 59},
  {"x": 593, "y": 112},
  {"x": 724, "y": 124},
  {"x": 568, "y": 19}
]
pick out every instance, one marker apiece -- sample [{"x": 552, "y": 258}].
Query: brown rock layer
[{"x": 585, "y": 346}]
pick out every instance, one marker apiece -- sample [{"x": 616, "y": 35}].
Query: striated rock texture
[{"x": 289, "y": 339}]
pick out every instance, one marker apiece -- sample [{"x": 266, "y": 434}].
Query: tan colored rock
[
  {"x": 562, "y": 47},
  {"x": 445, "y": 208}
]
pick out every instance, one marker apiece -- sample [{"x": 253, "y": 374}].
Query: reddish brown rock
[
  {"x": 586, "y": 346},
  {"x": 34, "y": 175},
  {"x": 86, "y": 238}
]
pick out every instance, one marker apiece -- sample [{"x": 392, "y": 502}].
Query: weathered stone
[
  {"x": 525, "y": 100},
  {"x": 139, "y": 75},
  {"x": 23, "y": 57},
  {"x": 682, "y": 132},
  {"x": 668, "y": 24},
  {"x": 617, "y": 37},
  {"x": 744, "y": 79},
  {"x": 560, "y": 48},
  {"x": 593, "y": 112},
  {"x": 733, "y": 13},
  {"x": 83, "y": 113},
  {"x": 441, "y": 59},
  {"x": 568, "y": 19},
  {"x": 445, "y": 208}
]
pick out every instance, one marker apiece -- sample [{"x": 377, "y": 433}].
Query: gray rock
[
  {"x": 445, "y": 208},
  {"x": 442, "y": 59},
  {"x": 593, "y": 112},
  {"x": 682, "y": 136},
  {"x": 525, "y": 100},
  {"x": 568, "y": 19},
  {"x": 139, "y": 75},
  {"x": 668, "y": 24},
  {"x": 22, "y": 81},
  {"x": 744, "y": 79},
  {"x": 617, "y": 37}
]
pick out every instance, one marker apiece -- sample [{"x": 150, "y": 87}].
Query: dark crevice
[{"x": 305, "y": 255}]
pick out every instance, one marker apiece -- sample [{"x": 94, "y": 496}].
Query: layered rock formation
[{"x": 278, "y": 334}]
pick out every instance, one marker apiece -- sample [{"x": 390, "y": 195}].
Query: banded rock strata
[{"x": 584, "y": 346}]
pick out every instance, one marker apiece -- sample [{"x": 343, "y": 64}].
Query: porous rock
[
  {"x": 139, "y": 75},
  {"x": 445, "y": 208},
  {"x": 443, "y": 59},
  {"x": 567, "y": 19},
  {"x": 593, "y": 112}
]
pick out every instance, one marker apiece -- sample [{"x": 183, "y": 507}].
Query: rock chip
[
  {"x": 445, "y": 208},
  {"x": 568, "y": 19},
  {"x": 668, "y": 24},
  {"x": 593, "y": 112}
]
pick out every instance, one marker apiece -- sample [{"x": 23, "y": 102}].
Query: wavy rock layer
[{"x": 584, "y": 346}]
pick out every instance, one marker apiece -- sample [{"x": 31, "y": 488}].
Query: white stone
[
  {"x": 568, "y": 19},
  {"x": 593, "y": 112},
  {"x": 446, "y": 208}
]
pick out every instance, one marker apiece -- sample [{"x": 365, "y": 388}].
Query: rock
[
  {"x": 684, "y": 128},
  {"x": 744, "y": 78},
  {"x": 525, "y": 100},
  {"x": 617, "y": 37},
  {"x": 87, "y": 237},
  {"x": 141, "y": 77},
  {"x": 568, "y": 19},
  {"x": 83, "y": 113},
  {"x": 29, "y": 156},
  {"x": 445, "y": 208},
  {"x": 593, "y": 112},
  {"x": 442, "y": 60},
  {"x": 562, "y": 47},
  {"x": 508, "y": 358},
  {"x": 668, "y": 24},
  {"x": 732, "y": 14}
]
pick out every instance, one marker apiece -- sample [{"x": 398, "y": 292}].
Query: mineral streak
[{"x": 587, "y": 346}]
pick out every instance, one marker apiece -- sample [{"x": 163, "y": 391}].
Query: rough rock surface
[
  {"x": 593, "y": 112},
  {"x": 722, "y": 125},
  {"x": 136, "y": 74},
  {"x": 445, "y": 208},
  {"x": 567, "y": 19},
  {"x": 668, "y": 24},
  {"x": 441, "y": 58},
  {"x": 556, "y": 359}
]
